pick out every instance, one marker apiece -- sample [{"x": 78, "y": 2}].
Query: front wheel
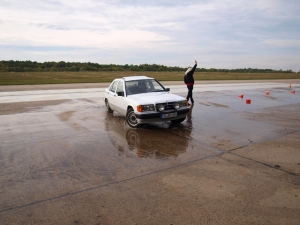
[
  {"x": 178, "y": 120},
  {"x": 131, "y": 119}
]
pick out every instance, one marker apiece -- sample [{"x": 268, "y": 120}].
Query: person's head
[{"x": 143, "y": 84}]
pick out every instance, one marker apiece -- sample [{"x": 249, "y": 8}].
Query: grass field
[{"x": 12, "y": 78}]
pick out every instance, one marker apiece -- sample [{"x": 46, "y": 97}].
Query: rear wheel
[
  {"x": 108, "y": 107},
  {"x": 131, "y": 119},
  {"x": 178, "y": 120}
]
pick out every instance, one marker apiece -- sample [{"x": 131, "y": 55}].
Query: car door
[
  {"x": 120, "y": 99},
  {"x": 111, "y": 94}
]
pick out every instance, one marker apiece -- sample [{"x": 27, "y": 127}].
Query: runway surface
[{"x": 65, "y": 160}]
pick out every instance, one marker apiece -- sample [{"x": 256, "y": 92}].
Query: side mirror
[{"x": 167, "y": 89}]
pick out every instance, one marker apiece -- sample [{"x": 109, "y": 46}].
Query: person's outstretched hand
[{"x": 195, "y": 61}]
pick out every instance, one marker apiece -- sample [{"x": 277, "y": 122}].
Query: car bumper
[{"x": 147, "y": 117}]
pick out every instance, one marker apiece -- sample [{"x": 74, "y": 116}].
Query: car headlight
[
  {"x": 182, "y": 103},
  {"x": 161, "y": 107},
  {"x": 176, "y": 105},
  {"x": 143, "y": 108}
]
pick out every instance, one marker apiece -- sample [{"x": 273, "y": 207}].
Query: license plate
[{"x": 168, "y": 115}]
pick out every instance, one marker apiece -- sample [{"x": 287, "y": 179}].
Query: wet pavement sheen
[{"x": 73, "y": 146}]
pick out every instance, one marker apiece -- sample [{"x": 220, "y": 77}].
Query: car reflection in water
[{"x": 158, "y": 141}]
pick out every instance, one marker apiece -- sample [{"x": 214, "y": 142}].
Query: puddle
[
  {"x": 22, "y": 107},
  {"x": 67, "y": 146},
  {"x": 148, "y": 142}
]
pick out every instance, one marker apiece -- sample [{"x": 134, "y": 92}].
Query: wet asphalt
[{"x": 70, "y": 146}]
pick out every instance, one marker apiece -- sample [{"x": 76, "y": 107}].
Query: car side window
[
  {"x": 120, "y": 87},
  {"x": 113, "y": 86}
]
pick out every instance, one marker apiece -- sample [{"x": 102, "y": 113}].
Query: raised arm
[{"x": 194, "y": 67}]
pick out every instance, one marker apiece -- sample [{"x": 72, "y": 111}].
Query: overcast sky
[{"x": 218, "y": 33}]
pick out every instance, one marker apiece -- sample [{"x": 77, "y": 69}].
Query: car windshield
[{"x": 143, "y": 86}]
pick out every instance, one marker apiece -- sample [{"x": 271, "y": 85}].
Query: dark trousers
[{"x": 190, "y": 94}]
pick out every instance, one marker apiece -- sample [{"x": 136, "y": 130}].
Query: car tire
[
  {"x": 109, "y": 110},
  {"x": 131, "y": 119},
  {"x": 178, "y": 120}
]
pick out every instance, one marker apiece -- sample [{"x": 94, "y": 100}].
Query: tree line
[{"x": 33, "y": 66}]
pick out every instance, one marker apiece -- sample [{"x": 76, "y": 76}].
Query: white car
[{"x": 143, "y": 100}]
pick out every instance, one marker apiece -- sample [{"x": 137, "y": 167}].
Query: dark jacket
[{"x": 188, "y": 78}]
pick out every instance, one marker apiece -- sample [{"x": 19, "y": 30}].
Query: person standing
[{"x": 189, "y": 81}]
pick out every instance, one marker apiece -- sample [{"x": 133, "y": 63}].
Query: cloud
[
  {"x": 84, "y": 38},
  {"x": 164, "y": 31},
  {"x": 283, "y": 42}
]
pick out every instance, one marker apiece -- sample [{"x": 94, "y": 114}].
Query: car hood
[{"x": 158, "y": 97}]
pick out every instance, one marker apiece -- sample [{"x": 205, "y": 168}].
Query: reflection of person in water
[{"x": 189, "y": 116}]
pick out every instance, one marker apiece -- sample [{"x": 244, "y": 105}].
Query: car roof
[{"x": 136, "y": 78}]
